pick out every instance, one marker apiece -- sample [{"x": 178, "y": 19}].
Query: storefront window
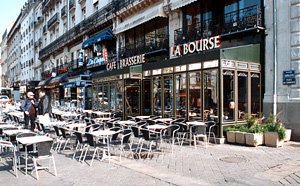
[
  {"x": 195, "y": 96},
  {"x": 228, "y": 96},
  {"x": 104, "y": 100},
  {"x": 242, "y": 94},
  {"x": 168, "y": 96},
  {"x": 95, "y": 97},
  {"x": 146, "y": 96},
  {"x": 112, "y": 96},
  {"x": 180, "y": 95},
  {"x": 210, "y": 94},
  {"x": 119, "y": 97},
  {"x": 157, "y": 96},
  {"x": 100, "y": 97},
  {"x": 255, "y": 94}
]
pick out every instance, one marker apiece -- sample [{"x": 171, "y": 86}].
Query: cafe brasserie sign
[
  {"x": 127, "y": 62},
  {"x": 196, "y": 46}
]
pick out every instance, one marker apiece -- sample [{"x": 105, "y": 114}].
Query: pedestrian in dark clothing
[
  {"x": 29, "y": 106},
  {"x": 44, "y": 107}
]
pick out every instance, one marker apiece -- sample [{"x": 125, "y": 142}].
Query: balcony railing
[
  {"x": 63, "y": 11},
  {"x": 54, "y": 19},
  {"x": 143, "y": 47},
  {"x": 233, "y": 22},
  {"x": 69, "y": 67},
  {"x": 76, "y": 32}
]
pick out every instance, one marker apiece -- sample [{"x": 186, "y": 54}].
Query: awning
[
  {"x": 180, "y": 3},
  {"x": 45, "y": 82},
  {"x": 88, "y": 42},
  {"x": 59, "y": 79},
  {"x": 104, "y": 35},
  {"x": 144, "y": 16}
]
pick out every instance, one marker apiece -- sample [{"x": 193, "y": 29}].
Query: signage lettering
[
  {"x": 289, "y": 77},
  {"x": 127, "y": 62},
  {"x": 196, "y": 46},
  {"x": 135, "y": 60}
]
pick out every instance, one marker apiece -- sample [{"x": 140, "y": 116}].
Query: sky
[{"x": 9, "y": 11}]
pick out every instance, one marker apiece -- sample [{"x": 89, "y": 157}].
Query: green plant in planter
[
  {"x": 250, "y": 120},
  {"x": 277, "y": 126}
]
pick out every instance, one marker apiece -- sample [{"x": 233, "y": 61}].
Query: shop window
[
  {"x": 255, "y": 94},
  {"x": 229, "y": 102},
  {"x": 157, "y": 98},
  {"x": 180, "y": 68},
  {"x": 146, "y": 99},
  {"x": 195, "y": 96},
  {"x": 180, "y": 96},
  {"x": 104, "y": 100},
  {"x": 112, "y": 96},
  {"x": 242, "y": 94},
  {"x": 195, "y": 66},
  {"x": 168, "y": 96},
  {"x": 156, "y": 72},
  {"x": 119, "y": 96},
  {"x": 210, "y": 80}
]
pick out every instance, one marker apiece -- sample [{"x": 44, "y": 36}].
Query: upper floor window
[{"x": 83, "y": 13}]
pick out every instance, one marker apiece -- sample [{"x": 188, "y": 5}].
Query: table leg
[{"x": 26, "y": 159}]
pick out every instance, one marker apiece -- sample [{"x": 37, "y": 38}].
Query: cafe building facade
[{"x": 199, "y": 60}]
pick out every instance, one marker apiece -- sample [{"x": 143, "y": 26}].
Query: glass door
[
  {"x": 132, "y": 100},
  {"x": 168, "y": 96}
]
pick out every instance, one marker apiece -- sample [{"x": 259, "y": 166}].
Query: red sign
[{"x": 105, "y": 55}]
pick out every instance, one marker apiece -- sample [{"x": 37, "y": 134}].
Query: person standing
[
  {"x": 29, "y": 106},
  {"x": 44, "y": 105}
]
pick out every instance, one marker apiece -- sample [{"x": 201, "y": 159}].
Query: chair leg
[
  {"x": 36, "y": 168},
  {"x": 54, "y": 166},
  {"x": 76, "y": 150}
]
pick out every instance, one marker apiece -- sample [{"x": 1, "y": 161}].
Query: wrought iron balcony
[
  {"x": 98, "y": 18},
  {"x": 63, "y": 11},
  {"x": 130, "y": 6},
  {"x": 149, "y": 45},
  {"x": 54, "y": 19},
  {"x": 234, "y": 22}
]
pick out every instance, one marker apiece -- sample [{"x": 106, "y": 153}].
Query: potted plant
[
  {"x": 275, "y": 133},
  {"x": 240, "y": 134},
  {"x": 230, "y": 134},
  {"x": 254, "y": 135}
]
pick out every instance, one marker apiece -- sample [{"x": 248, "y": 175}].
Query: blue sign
[{"x": 289, "y": 77}]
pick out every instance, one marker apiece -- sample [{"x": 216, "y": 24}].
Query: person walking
[
  {"x": 44, "y": 106},
  {"x": 29, "y": 106}
]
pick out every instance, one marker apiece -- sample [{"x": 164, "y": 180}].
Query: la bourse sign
[
  {"x": 179, "y": 50},
  {"x": 196, "y": 46}
]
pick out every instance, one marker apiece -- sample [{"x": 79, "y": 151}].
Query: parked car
[{"x": 4, "y": 99}]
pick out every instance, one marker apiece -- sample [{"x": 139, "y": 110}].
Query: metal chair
[
  {"x": 43, "y": 153},
  {"x": 8, "y": 150}
]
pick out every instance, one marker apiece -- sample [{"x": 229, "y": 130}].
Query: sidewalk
[{"x": 215, "y": 165}]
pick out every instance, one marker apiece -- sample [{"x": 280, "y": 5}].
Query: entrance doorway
[{"x": 132, "y": 101}]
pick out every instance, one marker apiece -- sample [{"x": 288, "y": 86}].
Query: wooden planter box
[
  {"x": 288, "y": 134},
  {"x": 254, "y": 139},
  {"x": 271, "y": 139},
  {"x": 230, "y": 136},
  {"x": 240, "y": 138}
]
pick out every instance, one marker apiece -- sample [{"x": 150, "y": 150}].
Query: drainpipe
[{"x": 275, "y": 59}]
